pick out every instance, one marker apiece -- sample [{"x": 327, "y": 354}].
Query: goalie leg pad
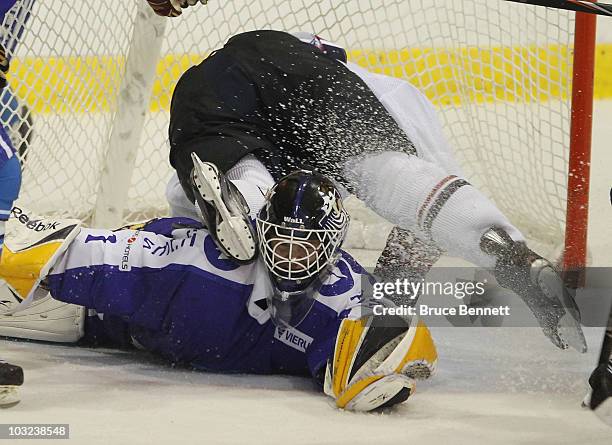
[
  {"x": 32, "y": 246},
  {"x": 42, "y": 318}
]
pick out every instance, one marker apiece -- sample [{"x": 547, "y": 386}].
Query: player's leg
[
  {"x": 208, "y": 137},
  {"x": 419, "y": 195},
  {"x": 11, "y": 376},
  {"x": 599, "y": 397}
]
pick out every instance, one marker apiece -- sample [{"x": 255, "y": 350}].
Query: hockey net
[{"x": 92, "y": 83}]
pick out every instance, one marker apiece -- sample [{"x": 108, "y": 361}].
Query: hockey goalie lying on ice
[{"x": 165, "y": 287}]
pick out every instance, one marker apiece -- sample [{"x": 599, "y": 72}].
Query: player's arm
[{"x": 172, "y": 8}]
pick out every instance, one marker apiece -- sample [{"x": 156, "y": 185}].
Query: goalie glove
[
  {"x": 536, "y": 282},
  {"x": 376, "y": 360},
  {"x": 4, "y": 67},
  {"x": 172, "y": 8}
]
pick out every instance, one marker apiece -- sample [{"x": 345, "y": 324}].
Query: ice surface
[{"x": 494, "y": 385}]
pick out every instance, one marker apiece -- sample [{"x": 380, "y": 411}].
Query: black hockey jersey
[{"x": 268, "y": 93}]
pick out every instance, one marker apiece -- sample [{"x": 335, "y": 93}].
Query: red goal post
[{"x": 577, "y": 213}]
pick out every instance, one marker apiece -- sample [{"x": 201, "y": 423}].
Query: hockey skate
[
  {"x": 224, "y": 211},
  {"x": 535, "y": 281},
  {"x": 11, "y": 377}
]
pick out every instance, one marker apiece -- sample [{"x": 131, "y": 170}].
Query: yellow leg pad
[
  {"x": 422, "y": 349},
  {"x": 22, "y": 269},
  {"x": 346, "y": 344},
  {"x": 355, "y": 389}
]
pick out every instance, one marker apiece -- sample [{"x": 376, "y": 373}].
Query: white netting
[{"x": 498, "y": 71}]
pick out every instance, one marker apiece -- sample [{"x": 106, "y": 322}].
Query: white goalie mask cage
[{"x": 298, "y": 254}]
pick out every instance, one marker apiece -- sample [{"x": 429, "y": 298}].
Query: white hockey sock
[
  {"x": 462, "y": 220},
  {"x": 253, "y": 181},
  {"x": 421, "y": 196}
]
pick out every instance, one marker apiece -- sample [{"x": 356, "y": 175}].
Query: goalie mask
[{"x": 300, "y": 229}]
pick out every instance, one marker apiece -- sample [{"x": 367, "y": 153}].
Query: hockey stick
[{"x": 571, "y": 5}]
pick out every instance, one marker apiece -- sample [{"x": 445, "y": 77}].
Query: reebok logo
[{"x": 33, "y": 224}]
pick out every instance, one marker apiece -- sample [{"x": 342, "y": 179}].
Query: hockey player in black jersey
[{"x": 268, "y": 103}]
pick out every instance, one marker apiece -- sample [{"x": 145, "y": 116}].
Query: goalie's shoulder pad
[{"x": 376, "y": 360}]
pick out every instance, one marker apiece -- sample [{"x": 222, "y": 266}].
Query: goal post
[
  {"x": 133, "y": 100},
  {"x": 577, "y": 213},
  {"x": 499, "y": 75}
]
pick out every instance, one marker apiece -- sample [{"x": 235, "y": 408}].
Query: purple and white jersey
[{"x": 181, "y": 298}]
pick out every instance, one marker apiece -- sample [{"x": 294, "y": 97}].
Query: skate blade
[
  {"x": 571, "y": 333},
  {"x": 236, "y": 238},
  {"x": 568, "y": 329},
  {"x": 233, "y": 232}
]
